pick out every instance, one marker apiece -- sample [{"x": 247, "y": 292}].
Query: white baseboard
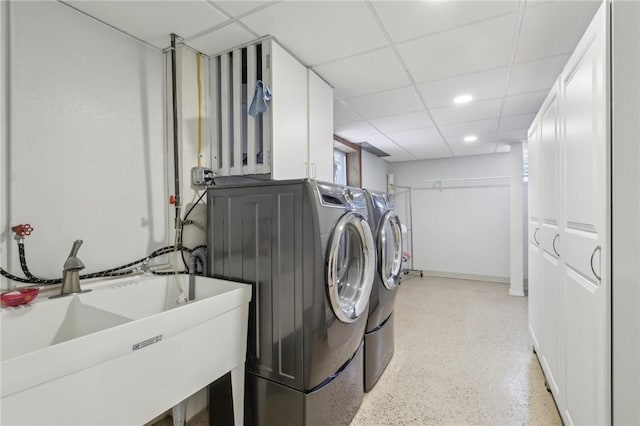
[{"x": 472, "y": 277}]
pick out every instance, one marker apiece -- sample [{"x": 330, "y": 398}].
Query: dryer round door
[
  {"x": 351, "y": 267},
  {"x": 390, "y": 249}
]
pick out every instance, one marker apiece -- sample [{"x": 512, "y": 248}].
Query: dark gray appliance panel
[{"x": 257, "y": 238}]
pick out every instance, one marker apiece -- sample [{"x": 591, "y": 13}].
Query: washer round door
[
  {"x": 351, "y": 267},
  {"x": 390, "y": 249}
]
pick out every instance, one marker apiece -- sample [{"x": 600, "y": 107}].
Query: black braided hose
[{"x": 113, "y": 272}]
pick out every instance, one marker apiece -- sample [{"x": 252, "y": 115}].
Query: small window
[{"x": 339, "y": 167}]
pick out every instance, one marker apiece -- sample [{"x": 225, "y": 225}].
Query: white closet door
[
  {"x": 549, "y": 236},
  {"x": 535, "y": 290},
  {"x": 585, "y": 247}
]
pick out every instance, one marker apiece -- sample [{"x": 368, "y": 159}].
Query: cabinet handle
[
  {"x": 313, "y": 170},
  {"x": 591, "y": 262},
  {"x": 554, "y": 244},
  {"x": 534, "y": 236}
]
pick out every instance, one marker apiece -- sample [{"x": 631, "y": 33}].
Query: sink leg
[
  {"x": 179, "y": 414},
  {"x": 237, "y": 391}
]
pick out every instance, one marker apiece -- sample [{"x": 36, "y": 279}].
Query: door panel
[{"x": 584, "y": 228}]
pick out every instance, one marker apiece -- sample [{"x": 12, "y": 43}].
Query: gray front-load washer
[
  {"x": 379, "y": 336},
  {"x": 308, "y": 250}
]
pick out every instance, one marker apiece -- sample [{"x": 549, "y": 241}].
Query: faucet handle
[
  {"x": 75, "y": 248},
  {"x": 73, "y": 263}
]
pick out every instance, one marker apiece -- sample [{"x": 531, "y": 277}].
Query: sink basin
[{"x": 91, "y": 358}]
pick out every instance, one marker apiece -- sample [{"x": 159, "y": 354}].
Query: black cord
[{"x": 186, "y": 216}]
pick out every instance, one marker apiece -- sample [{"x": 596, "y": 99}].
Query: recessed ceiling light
[
  {"x": 470, "y": 138},
  {"x": 462, "y": 99}
]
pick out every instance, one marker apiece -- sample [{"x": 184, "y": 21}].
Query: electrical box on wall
[{"x": 201, "y": 176}]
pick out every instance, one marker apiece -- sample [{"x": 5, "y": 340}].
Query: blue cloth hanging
[{"x": 260, "y": 99}]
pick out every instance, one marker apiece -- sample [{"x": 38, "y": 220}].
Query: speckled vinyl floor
[{"x": 462, "y": 356}]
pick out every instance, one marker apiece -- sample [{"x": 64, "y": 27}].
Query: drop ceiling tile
[
  {"x": 240, "y": 7},
  {"x": 485, "y": 130},
  {"x": 222, "y": 39},
  {"x": 481, "y": 85},
  {"x": 476, "y": 148},
  {"x": 553, "y": 28},
  {"x": 397, "y": 123},
  {"x": 364, "y": 74},
  {"x": 468, "y": 49},
  {"x": 527, "y": 103},
  {"x": 409, "y": 19},
  {"x": 319, "y": 31},
  {"x": 516, "y": 122},
  {"x": 536, "y": 75},
  {"x": 361, "y": 131},
  {"x": 341, "y": 114},
  {"x": 422, "y": 143},
  {"x": 154, "y": 21},
  {"x": 473, "y": 111},
  {"x": 516, "y": 135},
  {"x": 390, "y": 102},
  {"x": 400, "y": 157}
]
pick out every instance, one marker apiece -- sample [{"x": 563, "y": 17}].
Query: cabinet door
[
  {"x": 549, "y": 236},
  {"x": 535, "y": 294},
  {"x": 320, "y": 129},
  {"x": 289, "y": 112},
  {"x": 585, "y": 247}
]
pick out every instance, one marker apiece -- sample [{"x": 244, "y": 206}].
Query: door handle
[
  {"x": 554, "y": 244},
  {"x": 534, "y": 236},
  {"x": 591, "y": 262}
]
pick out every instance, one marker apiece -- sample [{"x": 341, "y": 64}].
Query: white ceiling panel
[
  {"x": 485, "y": 130},
  {"x": 341, "y": 114},
  {"x": 222, "y": 39},
  {"x": 475, "y": 148},
  {"x": 396, "y": 123},
  {"x": 363, "y": 74},
  {"x": 400, "y": 156},
  {"x": 319, "y": 31},
  {"x": 481, "y": 110},
  {"x": 390, "y": 102},
  {"x": 154, "y": 21},
  {"x": 528, "y": 103},
  {"x": 517, "y": 122},
  {"x": 481, "y": 85},
  {"x": 468, "y": 49},
  {"x": 553, "y": 28},
  {"x": 423, "y": 143},
  {"x": 240, "y": 7},
  {"x": 410, "y": 19},
  {"x": 358, "y": 132},
  {"x": 536, "y": 75},
  {"x": 516, "y": 135}
]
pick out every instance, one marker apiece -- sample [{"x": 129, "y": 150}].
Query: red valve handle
[{"x": 23, "y": 230}]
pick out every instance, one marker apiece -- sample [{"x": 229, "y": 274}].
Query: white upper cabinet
[
  {"x": 293, "y": 139},
  {"x": 289, "y": 115},
  {"x": 320, "y": 128}
]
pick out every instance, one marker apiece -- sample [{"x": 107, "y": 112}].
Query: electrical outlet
[{"x": 201, "y": 176}]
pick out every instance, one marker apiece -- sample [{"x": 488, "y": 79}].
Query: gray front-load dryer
[
  {"x": 307, "y": 248},
  {"x": 378, "y": 339}
]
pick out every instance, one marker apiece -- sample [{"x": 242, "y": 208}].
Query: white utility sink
[{"x": 123, "y": 353}]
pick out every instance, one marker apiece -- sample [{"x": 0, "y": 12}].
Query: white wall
[
  {"x": 86, "y": 144},
  {"x": 374, "y": 172},
  {"x": 459, "y": 231}
]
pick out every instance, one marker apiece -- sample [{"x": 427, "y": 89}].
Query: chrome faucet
[{"x": 71, "y": 272}]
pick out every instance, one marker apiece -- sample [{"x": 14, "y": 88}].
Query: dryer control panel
[{"x": 341, "y": 196}]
